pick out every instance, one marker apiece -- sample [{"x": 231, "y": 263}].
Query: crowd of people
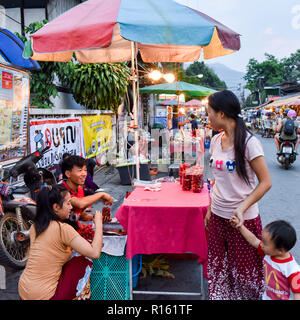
[
  {"x": 242, "y": 255},
  {"x": 272, "y": 124}
]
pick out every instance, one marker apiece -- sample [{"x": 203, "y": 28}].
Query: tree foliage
[
  {"x": 272, "y": 71},
  {"x": 209, "y": 79},
  {"x": 267, "y": 73},
  {"x": 98, "y": 86}
]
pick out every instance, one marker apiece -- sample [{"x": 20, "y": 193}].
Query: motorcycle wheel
[
  {"x": 286, "y": 164},
  {"x": 13, "y": 253}
]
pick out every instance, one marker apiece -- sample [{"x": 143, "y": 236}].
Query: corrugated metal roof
[{"x": 27, "y": 4}]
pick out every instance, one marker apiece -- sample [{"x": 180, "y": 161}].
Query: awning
[
  {"x": 284, "y": 101},
  {"x": 11, "y": 49}
]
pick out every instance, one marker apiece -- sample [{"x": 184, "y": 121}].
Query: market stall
[
  {"x": 161, "y": 31},
  {"x": 166, "y": 221}
]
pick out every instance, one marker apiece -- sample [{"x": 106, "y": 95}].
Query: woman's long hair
[
  {"x": 227, "y": 102},
  {"x": 46, "y": 198}
]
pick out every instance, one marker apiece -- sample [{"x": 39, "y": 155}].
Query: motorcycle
[
  {"x": 18, "y": 208},
  {"x": 287, "y": 155}
]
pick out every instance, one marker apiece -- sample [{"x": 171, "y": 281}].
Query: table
[{"x": 167, "y": 221}]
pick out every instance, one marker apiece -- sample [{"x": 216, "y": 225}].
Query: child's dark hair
[
  {"x": 227, "y": 102},
  {"x": 65, "y": 156},
  {"x": 71, "y": 161},
  {"x": 46, "y": 198},
  {"x": 282, "y": 234}
]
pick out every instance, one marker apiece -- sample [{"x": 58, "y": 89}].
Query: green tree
[
  {"x": 291, "y": 67},
  {"x": 209, "y": 79},
  {"x": 267, "y": 73}
]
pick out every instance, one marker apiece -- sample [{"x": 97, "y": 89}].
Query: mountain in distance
[
  {"x": 234, "y": 79},
  {"x": 231, "y": 77}
]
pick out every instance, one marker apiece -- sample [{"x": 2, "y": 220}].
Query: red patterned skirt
[{"x": 235, "y": 269}]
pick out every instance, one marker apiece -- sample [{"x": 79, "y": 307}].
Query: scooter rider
[{"x": 285, "y": 137}]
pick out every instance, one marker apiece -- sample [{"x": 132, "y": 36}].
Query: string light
[
  {"x": 169, "y": 77},
  {"x": 155, "y": 75}
]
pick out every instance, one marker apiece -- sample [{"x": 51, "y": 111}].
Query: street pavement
[{"x": 281, "y": 202}]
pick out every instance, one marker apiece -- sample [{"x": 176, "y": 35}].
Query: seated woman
[{"x": 51, "y": 273}]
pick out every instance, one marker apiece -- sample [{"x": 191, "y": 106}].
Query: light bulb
[
  {"x": 155, "y": 75},
  {"x": 169, "y": 77}
]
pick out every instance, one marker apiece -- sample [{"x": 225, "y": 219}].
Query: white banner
[{"x": 62, "y": 134}]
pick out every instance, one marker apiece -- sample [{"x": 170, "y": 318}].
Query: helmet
[{"x": 292, "y": 114}]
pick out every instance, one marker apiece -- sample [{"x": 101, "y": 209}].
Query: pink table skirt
[{"x": 166, "y": 221}]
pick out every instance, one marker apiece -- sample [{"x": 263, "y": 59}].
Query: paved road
[{"x": 281, "y": 202}]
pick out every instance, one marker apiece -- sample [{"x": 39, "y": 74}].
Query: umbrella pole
[{"x": 135, "y": 115}]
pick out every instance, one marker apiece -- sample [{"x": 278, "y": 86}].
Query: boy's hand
[
  {"x": 234, "y": 221},
  {"x": 240, "y": 216},
  {"x": 107, "y": 199}
]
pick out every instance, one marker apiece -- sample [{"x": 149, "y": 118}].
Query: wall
[
  {"x": 66, "y": 101},
  {"x": 57, "y": 7},
  {"x": 69, "y": 113},
  {"x": 12, "y": 20}
]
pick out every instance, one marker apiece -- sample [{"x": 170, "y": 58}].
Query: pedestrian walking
[
  {"x": 282, "y": 272},
  {"x": 51, "y": 273},
  {"x": 235, "y": 269}
]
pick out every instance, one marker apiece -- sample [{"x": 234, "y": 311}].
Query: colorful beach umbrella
[
  {"x": 99, "y": 31},
  {"x": 102, "y": 31},
  {"x": 193, "y": 103}
]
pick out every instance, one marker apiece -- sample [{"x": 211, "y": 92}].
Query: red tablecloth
[{"x": 167, "y": 221}]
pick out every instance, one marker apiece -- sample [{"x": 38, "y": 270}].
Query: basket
[
  {"x": 136, "y": 269},
  {"x": 110, "y": 278}
]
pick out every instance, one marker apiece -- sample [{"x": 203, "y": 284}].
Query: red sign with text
[{"x": 7, "y": 80}]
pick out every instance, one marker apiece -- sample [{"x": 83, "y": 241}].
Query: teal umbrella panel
[{"x": 178, "y": 88}]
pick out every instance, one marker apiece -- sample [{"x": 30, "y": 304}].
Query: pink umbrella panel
[{"x": 193, "y": 103}]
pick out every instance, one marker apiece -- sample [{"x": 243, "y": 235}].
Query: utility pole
[{"x": 260, "y": 87}]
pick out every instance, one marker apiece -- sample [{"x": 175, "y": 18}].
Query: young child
[{"x": 282, "y": 273}]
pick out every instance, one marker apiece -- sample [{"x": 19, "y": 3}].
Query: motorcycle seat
[{"x": 21, "y": 190}]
